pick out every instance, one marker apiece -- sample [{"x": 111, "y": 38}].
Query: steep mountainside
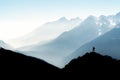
[
  {"x": 46, "y": 32},
  {"x": 107, "y": 44}
]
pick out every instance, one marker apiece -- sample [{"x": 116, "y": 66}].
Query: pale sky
[{"x": 19, "y": 17}]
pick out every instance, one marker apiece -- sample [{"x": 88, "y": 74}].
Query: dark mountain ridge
[
  {"x": 16, "y": 64},
  {"x": 91, "y": 64}
]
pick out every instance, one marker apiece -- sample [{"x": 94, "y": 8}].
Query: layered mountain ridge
[{"x": 76, "y": 41}]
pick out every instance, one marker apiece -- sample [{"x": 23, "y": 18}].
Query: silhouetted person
[{"x": 93, "y": 50}]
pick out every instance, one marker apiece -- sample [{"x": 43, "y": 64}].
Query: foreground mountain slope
[
  {"x": 15, "y": 65},
  {"x": 92, "y": 65},
  {"x": 12, "y": 63}
]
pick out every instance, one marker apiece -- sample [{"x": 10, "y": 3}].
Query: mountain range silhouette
[{"x": 91, "y": 64}]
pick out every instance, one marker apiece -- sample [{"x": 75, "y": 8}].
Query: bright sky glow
[{"x": 19, "y": 17}]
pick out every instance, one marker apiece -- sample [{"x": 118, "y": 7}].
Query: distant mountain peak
[
  {"x": 63, "y": 19},
  {"x": 91, "y": 18},
  {"x": 102, "y": 16}
]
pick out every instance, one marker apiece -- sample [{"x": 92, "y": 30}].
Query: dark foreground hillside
[
  {"x": 93, "y": 66},
  {"x": 14, "y": 65},
  {"x": 20, "y": 66}
]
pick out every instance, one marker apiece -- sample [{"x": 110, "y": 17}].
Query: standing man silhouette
[{"x": 93, "y": 50}]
